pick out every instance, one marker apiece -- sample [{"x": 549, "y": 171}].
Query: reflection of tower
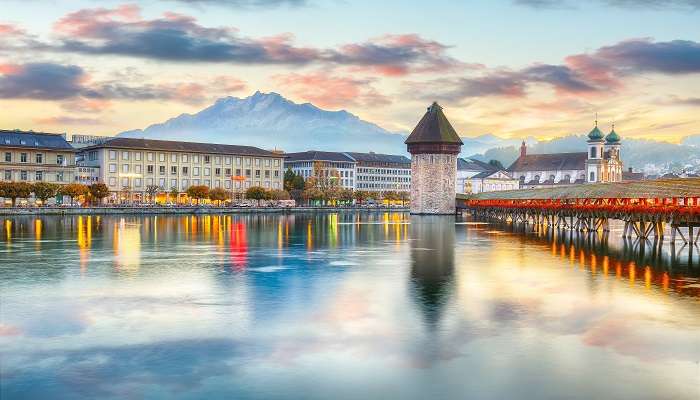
[
  {"x": 434, "y": 146},
  {"x": 432, "y": 263}
]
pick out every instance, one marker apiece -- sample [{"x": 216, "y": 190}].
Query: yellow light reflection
[
  {"x": 127, "y": 246},
  {"x": 632, "y": 272},
  {"x": 8, "y": 229},
  {"x": 647, "y": 277}
]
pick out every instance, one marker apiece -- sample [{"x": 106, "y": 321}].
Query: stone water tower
[{"x": 434, "y": 146}]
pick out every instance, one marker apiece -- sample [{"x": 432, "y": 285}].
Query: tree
[
  {"x": 218, "y": 195},
  {"x": 404, "y": 197},
  {"x": 277, "y": 194},
  {"x": 152, "y": 191},
  {"x": 98, "y": 191},
  {"x": 496, "y": 164},
  {"x": 15, "y": 190},
  {"x": 74, "y": 190},
  {"x": 44, "y": 191},
  {"x": 313, "y": 193},
  {"x": 126, "y": 193},
  {"x": 256, "y": 193},
  {"x": 174, "y": 193},
  {"x": 293, "y": 180},
  {"x": 360, "y": 196},
  {"x": 198, "y": 192},
  {"x": 390, "y": 196},
  {"x": 345, "y": 195}
]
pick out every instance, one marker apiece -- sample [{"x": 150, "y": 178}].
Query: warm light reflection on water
[{"x": 340, "y": 305}]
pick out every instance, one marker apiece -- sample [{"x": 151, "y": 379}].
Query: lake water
[{"x": 339, "y": 306}]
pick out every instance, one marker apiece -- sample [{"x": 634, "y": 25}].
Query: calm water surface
[{"x": 338, "y": 306}]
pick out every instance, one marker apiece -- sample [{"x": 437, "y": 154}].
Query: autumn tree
[
  {"x": 45, "y": 190},
  {"x": 174, "y": 193},
  {"x": 98, "y": 191},
  {"x": 218, "y": 195},
  {"x": 360, "y": 196},
  {"x": 198, "y": 192},
  {"x": 15, "y": 190},
  {"x": 278, "y": 194},
  {"x": 152, "y": 191},
  {"x": 74, "y": 191},
  {"x": 256, "y": 193}
]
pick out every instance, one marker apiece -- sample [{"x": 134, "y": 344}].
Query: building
[
  {"x": 434, "y": 146},
  {"x": 382, "y": 172},
  {"x": 323, "y": 165},
  {"x": 36, "y": 157},
  {"x": 493, "y": 181},
  {"x": 630, "y": 175},
  {"x": 356, "y": 171},
  {"x": 129, "y": 165},
  {"x": 466, "y": 169},
  {"x": 601, "y": 163},
  {"x": 78, "y": 141}
]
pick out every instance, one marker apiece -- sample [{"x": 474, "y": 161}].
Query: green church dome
[
  {"x": 595, "y": 134},
  {"x": 612, "y": 137}
]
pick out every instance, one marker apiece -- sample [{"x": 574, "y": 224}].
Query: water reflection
[{"x": 432, "y": 264}]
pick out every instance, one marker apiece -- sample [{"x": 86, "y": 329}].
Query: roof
[
  {"x": 632, "y": 176},
  {"x": 612, "y": 137},
  {"x": 379, "y": 158},
  {"x": 595, "y": 133},
  {"x": 684, "y": 187},
  {"x": 434, "y": 128},
  {"x": 550, "y": 162},
  {"x": 314, "y": 155},
  {"x": 470, "y": 164},
  {"x": 34, "y": 140},
  {"x": 171, "y": 145}
]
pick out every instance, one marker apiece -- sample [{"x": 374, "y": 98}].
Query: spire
[
  {"x": 595, "y": 134},
  {"x": 612, "y": 137},
  {"x": 434, "y": 128},
  {"x": 523, "y": 149}
]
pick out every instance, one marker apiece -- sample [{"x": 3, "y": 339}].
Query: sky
[{"x": 513, "y": 68}]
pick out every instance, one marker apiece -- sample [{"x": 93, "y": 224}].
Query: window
[
  {"x": 257, "y": 162},
  {"x": 195, "y": 171},
  {"x": 552, "y": 177},
  {"x": 277, "y": 173},
  {"x": 161, "y": 183},
  {"x": 137, "y": 156},
  {"x": 8, "y": 157},
  {"x": 227, "y": 184},
  {"x": 195, "y": 159},
  {"x": 161, "y": 169},
  {"x": 59, "y": 159},
  {"x": 238, "y": 161},
  {"x": 184, "y": 184},
  {"x": 567, "y": 178},
  {"x": 149, "y": 181},
  {"x": 137, "y": 182},
  {"x": 195, "y": 182},
  {"x": 173, "y": 183},
  {"x": 227, "y": 160},
  {"x": 59, "y": 176},
  {"x": 184, "y": 158},
  {"x": 23, "y": 157},
  {"x": 185, "y": 170},
  {"x": 112, "y": 154},
  {"x": 112, "y": 181},
  {"x": 277, "y": 162},
  {"x": 247, "y": 162},
  {"x": 173, "y": 157},
  {"x": 592, "y": 176},
  {"x": 125, "y": 168},
  {"x": 537, "y": 178},
  {"x": 257, "y": 173},
  {"x": 593, "y": 154},
  {"x": 173, "y": 170},
  {"x": 247, "y": 173},
  {"x": 238, "y": 172},
  {"x": 125, "y": 155},
  {"x": 39, "y": 158},
  {"x": 267, "y": 162},
  {"x": 149, "y": 156},
  {"x": 267, "y": 174},
  {"x": 207, "y": 159},
  {"x": 23, "y": 175},
  {"x": 161, "y": 157},
  {"x": 217, "y": 160},
  {"x": 217, "y": 171},
  {"x": 137, "y": 169},
  {"x": 227, "y": 171},
  {"x": 207, "y": 171},
  {"x": 125, "y": 182},
  {"x": 112, "y": 168},
  {"x": 149, "y": 169},
  {"x": 39, "y": 176}
]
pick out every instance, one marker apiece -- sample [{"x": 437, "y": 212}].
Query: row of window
[
  {"x": 383, "y": 171},
  {"x": 27, "y": 175},
  {"x": 38, "y": 158},
  {"x": 139, "y": 183},
  {"x": 137, "y": 169},
  {"x": 185, "y": 158},
  {"x": 388, "y": 186},
  {"x": 383, "y": 178}
]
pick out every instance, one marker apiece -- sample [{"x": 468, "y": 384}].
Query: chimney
[
  {"x": 629, "y": 169},
  {"x": 523, "y": 149}
]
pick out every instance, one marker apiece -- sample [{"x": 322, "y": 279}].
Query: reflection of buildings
[{"x": 432, "y": 263}]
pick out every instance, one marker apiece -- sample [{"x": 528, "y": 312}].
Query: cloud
[
  {"x": 627, "y": 4},
  {"x": 47, "y": 81},
  {"x": 67, "y": 120},
  {"x": 248, "y": 4},
  {"x": 643, "y": 55},
  {"x": 43, "y": 81},
  {"x": 332, "y": 91}
]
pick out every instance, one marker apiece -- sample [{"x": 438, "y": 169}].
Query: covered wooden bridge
[{"x": 646, "y": 207}]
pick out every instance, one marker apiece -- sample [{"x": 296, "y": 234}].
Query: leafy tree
[
  {"x": 74, "y": 190},
  {"x": 44, "y": 191},
  {"x": 98, "y": 191},
  {"x": 372, "y": 195},
  {"x": 496, "y": 164},
  {"x": 345, "y": 195},
  {"x": 277, "y": 194},
  {"x": 218, "y": 195},
  {"x": 198, "y": 192},
  {"x": 390, "y": 195},
  {"x": 256, "y": 193},
  {"x": 174, "y": 193},
  {"x": 404, "y": 197},
  {"x": 313, "y": 194},
  {"x": 126, "y": 192},
  {"x": 152, "y": 191},
  {"x": 15, "y": 190},
  {"x": 360, "y": 196}
]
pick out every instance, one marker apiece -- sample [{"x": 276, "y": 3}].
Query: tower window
[
  {"x": 592, "y": 176},
  {"x": 593, "y": 153}
]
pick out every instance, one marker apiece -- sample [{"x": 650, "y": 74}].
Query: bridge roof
[{"x": 661, "y": 188}]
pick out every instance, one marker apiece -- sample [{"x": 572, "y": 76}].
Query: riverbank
[{"x": 184, "y": 210}]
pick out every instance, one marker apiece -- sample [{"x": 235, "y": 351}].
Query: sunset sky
[{"x": 508, "y": 67}]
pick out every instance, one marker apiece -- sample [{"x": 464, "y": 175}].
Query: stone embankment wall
[
  {"x": 181, "y": 210},
  {"x": 433, "y": 183}
]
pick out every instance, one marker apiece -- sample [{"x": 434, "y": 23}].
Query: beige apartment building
[
  {"x": 36, "y": 157},
  {"x": 129, "y": 165}
]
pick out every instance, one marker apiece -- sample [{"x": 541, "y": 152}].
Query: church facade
[{"x": 600, "y": 163}]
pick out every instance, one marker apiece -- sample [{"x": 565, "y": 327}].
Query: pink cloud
[{"x": 332, "y": 91}]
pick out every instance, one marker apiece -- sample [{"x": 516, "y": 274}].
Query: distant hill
[{"x": 268, "y": 120}]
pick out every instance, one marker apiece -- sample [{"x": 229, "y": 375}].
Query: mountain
[{"x": 269, "y": 120}]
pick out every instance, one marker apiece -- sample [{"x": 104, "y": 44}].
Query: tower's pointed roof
[
  {"x": 612, "y": 137},
  {"x": 434, "y": 128}
]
